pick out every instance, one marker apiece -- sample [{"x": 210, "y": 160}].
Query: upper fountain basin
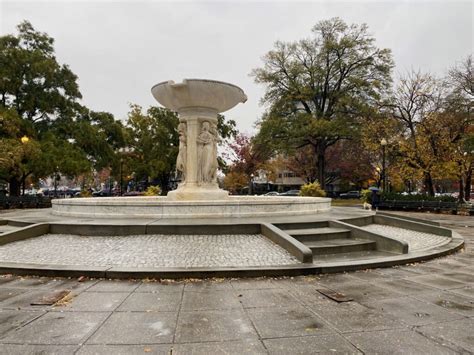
[{"x": 198, "y": 93}]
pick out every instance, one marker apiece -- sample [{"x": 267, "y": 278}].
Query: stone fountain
[{"x": 197, "y": 102}]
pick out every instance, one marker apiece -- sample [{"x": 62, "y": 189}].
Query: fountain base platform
[{"x": 164, "y": 208}]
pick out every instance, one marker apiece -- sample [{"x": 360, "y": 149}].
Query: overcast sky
[{"x": 119, "y": 50}]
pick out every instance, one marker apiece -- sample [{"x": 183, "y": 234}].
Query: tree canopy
[
  {"x": 317, "y": 89},
  {"x": 40, "y": 100}
]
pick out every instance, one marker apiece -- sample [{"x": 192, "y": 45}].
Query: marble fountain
[
  {"x": 199, "y": 230},
  {"x": 197, "y": 102}
]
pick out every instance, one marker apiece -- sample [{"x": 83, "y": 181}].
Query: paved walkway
[
  {"x": 426, "y": 308},
  {"x": 149, "y": 251}
]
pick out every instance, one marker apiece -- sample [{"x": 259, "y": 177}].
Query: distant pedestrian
[{"x": 375, "y": 199}]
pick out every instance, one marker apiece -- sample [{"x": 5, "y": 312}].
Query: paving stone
[
  {"x": 365, "y": 294},
  {"x": 405, "y": 287},
  {"x": 204, "y": 326},
  {"x": 459, "y": 276},
  {"x": 148, "y": 251},
  {"x": 248, "y": 346},
  {"x": 252, "y": 284},
  {"x": 27, "y": 282},
  {"x": 162, "y": 349},
  {"x": 136, "y": 328},
  {"x": 12, "y": 319},
  {"x": 396, "y": 342},
  {"x": 13, "y": 349},
  {"x": 465, "y": 291},
  {"x": 114, "y": 286},
  {"x": 417, "y": 241},
  {"x": 265, "y": 298},
  {"x": 93, "y": 302},
  {"x": 198, "y": 301},
  {"x": 6, "y": 293},
  {"x": 151, "y": 302},
  {"x": 437, "y": 282},
  {"x": 24, "y": 300},
  {"x": 323, "y": 343},
  {"x": 308, "y": 294},
  {"x": 352, "y": 317},
  {"x": 451, "y": 302},
  {"x": 157, "y": 287},
  {"x": 457, "y": 333},
  {"x": 287, "y": 321},
  {"x": 414, "y": 312},
  {"x": 371, "y": 275},
  {"x": 206, "y": 285},
  {"x": 58, "y": 328}
]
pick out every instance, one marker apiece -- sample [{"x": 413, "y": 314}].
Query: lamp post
[
  {"x": 24, "y": 140},
  {"x": 384, "y": 143},
  {"x": 251, "y": 184},
  {"x": 123, "y": 151}
]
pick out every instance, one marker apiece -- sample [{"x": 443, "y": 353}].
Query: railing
[
  {"x": 436, "y": 206},
  {"x": 7, "y": 202}
]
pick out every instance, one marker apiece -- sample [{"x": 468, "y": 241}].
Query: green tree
[
  {"x": 319, "y": 88},
  {"x": 39, "y": 99}
]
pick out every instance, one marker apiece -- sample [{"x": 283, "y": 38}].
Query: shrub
[
  {"x": 366, "y": 196},
  {"x": 85, "y": 193},
  {"x": 389, "y": 196},
  {"x": 153, "y": 191},
  {"x": 312, "y": 189}
]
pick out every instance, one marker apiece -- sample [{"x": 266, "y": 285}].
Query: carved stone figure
[
  {"x": 181, "y": 159},
  {"x": 214, "y": 165},
  {"x": 207, "y": 155}
]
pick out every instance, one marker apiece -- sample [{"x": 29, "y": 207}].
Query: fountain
[{"x": 197, "y": 102}]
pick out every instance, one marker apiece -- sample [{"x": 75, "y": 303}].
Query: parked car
[
  {"x": 291, "y": 193},
  {"x": 272, "y": 193},
  {"x": 350, "y": 194}
]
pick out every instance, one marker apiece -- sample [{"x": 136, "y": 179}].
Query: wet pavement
[{"x": 423, "y": 308}]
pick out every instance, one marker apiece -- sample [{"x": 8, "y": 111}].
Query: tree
[
  {"x": 417, "y": 99},
  {"x": 39, "y": 99},
  {"x": 460, "y": 102},
  {"x": 319, "y": 88}
]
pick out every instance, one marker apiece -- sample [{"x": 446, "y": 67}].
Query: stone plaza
[{"x": 419, "y": 308}]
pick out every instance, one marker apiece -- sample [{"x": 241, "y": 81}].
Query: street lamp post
[
  {"x": 121, "y": 176},
  {"x": 383, "y": 142},
  {"x": 123, "y": 151},
  {"x": 251, "y": 185},
  {"x": 24, "y": 140}
]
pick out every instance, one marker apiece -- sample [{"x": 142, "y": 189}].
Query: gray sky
[{"x": 119, "y": 50}]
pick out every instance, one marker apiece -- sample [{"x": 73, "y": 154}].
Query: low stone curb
[{"x": 456, "y": 244}]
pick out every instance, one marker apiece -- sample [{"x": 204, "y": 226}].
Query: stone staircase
[{"x": 328, "y": 243}]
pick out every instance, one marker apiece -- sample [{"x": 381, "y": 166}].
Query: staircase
[{"x": 329, "y": 243}]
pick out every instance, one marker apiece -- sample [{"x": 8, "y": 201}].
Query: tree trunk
[
  {"x": 461, "y": 190},
  {"x": 429, "y": 184},
  {"x": 320, "y": 152},
  {"x": 14, "y": 186},
  {"x": 467, "y": 187}
]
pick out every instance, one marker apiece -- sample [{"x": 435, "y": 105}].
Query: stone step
[
  {"x": 344, "y": 245},
  {"x": 315, "y": 234},
  {"x": 351, "y": 256},
  {"x": 301, "y": 225}
]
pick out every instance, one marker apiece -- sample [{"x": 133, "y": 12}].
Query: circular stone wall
[{"x": 161, "y": 207}]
